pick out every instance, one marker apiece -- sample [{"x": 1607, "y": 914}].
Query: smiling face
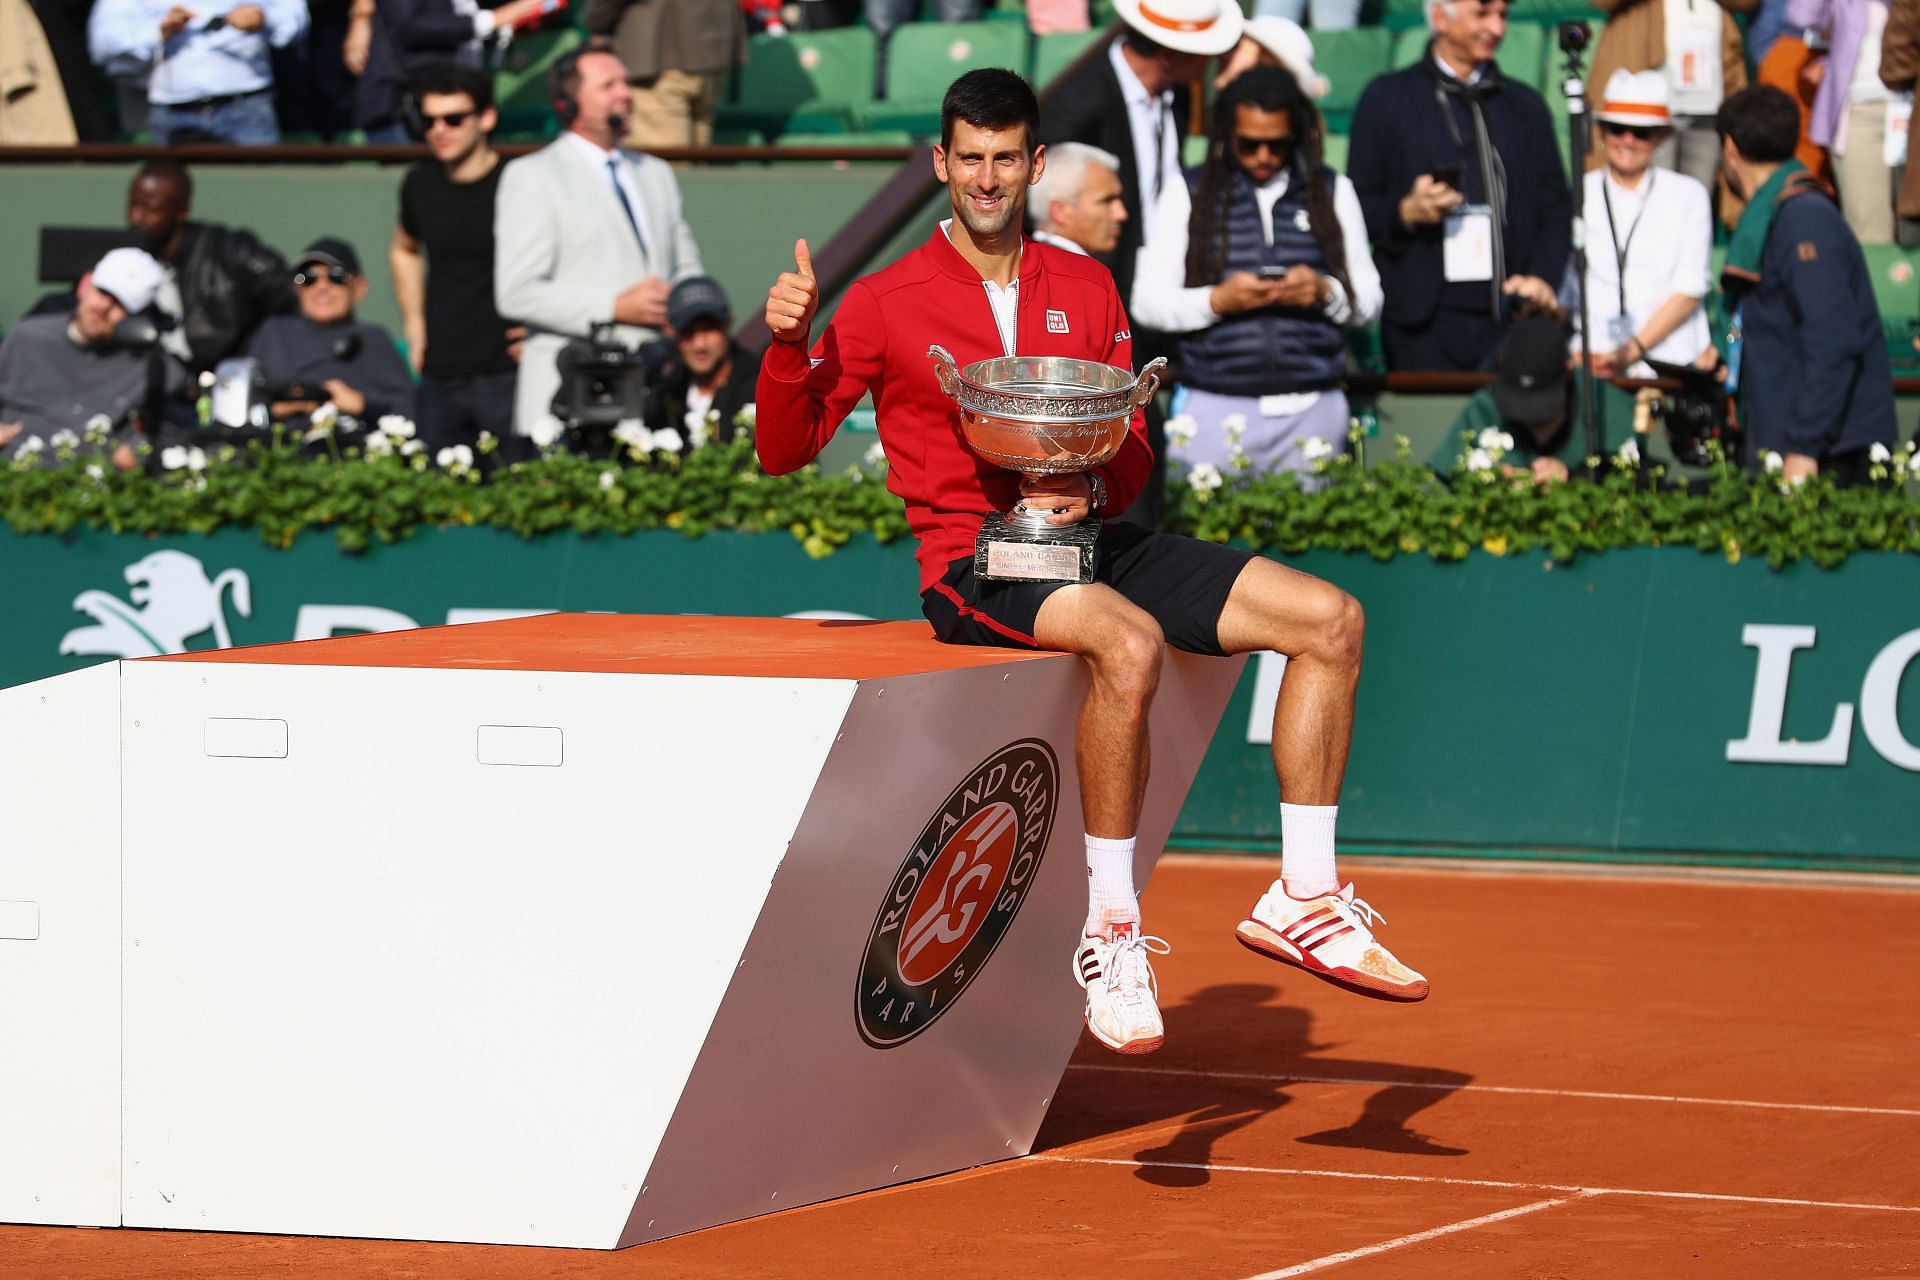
[
  {"x": 1629, "y": 148},
  {"x": 1469, "y": 32},
  {"x": 605, "y": 98},
  {"x": 987, "y": 172},
  {"x": 324, "y": 299}
]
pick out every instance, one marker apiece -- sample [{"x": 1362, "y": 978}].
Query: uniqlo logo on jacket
[{"x": 1056, "y": 321}]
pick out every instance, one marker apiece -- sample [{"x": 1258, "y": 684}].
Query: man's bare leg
[{"x": 1305, "y": 918}]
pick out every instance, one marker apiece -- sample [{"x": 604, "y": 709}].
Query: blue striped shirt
[{"x": 196, "y": 64}]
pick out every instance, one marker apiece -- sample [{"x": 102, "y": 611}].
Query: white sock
[
  {"x": 1110, "y": 895},
  {"x": 1306, "y": 849}
]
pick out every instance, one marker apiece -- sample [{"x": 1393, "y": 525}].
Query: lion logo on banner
[{"x": 173, "y": 601}]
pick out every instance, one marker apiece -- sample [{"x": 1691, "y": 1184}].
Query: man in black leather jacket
[{"x": 222, "y": 281}]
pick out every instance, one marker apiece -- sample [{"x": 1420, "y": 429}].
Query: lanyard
[{"x": 1613, "y": 230}]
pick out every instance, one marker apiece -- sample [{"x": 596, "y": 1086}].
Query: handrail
[{"x": 333, "y": 153}]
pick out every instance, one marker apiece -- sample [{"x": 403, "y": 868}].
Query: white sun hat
[
  {"x": 1208, "y": 27},
  {"x": 1288, "y": 41},
  {"x": 1636, "y": 97}
]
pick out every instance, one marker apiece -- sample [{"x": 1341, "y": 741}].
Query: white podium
[{"x": 575, "y": 930}]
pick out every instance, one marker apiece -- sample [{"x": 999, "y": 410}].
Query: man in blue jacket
[{"x": 1809, "y": 363}]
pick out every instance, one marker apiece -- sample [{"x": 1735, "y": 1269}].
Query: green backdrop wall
[{"x": 1506, "y": 704}]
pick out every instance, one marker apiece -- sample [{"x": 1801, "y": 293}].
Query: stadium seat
[
  {"x": 877, "y": 138},
  {"x": 1523, "y": 54},
  {"x": 806, "y": 82},
  {"x": 520, "y": 85},
  {"x": 1335, "y": 152},
  {"x": 923, "y": 58},
  {"x": 1055, "y": 53},
  {"x": 1896, "y": 290},
  {"x": 1347, "y": 61}
]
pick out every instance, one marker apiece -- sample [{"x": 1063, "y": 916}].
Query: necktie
[{"x": 613, "y": 174}]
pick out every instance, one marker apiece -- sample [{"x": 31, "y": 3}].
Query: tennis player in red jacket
[{"x": 981, "y": 289}]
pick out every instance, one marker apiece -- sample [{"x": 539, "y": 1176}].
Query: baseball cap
[
  {"x": 331, "y": 251},
  {"x": 1206, "y": 27},
  {"x": 1531, "y": 383},
  {"x": 132, "y": 276},
  {"x": 696, "y": 298}
]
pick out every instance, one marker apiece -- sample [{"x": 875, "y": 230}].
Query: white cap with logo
[{"x": 132, "y": 276}]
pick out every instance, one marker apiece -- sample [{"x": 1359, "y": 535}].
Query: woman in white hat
[{"x": 1649, "y": 232}]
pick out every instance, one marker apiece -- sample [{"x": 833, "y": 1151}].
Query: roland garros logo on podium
[{"x": 955, "y": 896}]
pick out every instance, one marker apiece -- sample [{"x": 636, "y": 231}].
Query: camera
[
  {"x": 602, "y": 384},
  {"x": 1695, "y": 415},
  {"x": 1574, "y": 36}
]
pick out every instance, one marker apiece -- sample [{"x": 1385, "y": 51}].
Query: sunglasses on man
[
  {"x": 451, "y": 119},
  {"x": 1251, "y": 147},
  {"x": 1644, "y": 133},
  {"x": 306, "y": 277}
]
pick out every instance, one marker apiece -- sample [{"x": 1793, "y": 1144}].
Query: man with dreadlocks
[{"x": 1263, "y": 259}]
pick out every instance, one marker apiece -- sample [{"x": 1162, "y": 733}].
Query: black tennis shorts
[{"x": 1182, "y": 582}]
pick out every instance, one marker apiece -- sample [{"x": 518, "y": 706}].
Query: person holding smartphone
[{"x": 1262, "y": 266}]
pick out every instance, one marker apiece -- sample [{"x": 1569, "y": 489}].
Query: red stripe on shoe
[
  {"x": 1326, "y": 937},
  {"x": 1306, "y": 924}
]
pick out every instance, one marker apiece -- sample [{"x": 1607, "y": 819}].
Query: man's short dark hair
[
  {"x": 450, "y": 78},
  {"x": 992, "y": 99},
  {"x": 1763, "y": 122},
  {"x": 171, "y": 172}
]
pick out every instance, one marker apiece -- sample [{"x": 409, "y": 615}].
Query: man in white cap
[
  {"x": 58, "y": 373},
  {"x": 1076, "y": 202},
  {"x": 1649, "y": 234},
  {"x": 1135, "y": 103}
]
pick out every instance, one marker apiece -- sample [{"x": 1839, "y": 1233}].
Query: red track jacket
[{"x": 878, "y": 340}]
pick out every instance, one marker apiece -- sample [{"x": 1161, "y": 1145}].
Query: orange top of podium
[{"x": 641, "y": 644}]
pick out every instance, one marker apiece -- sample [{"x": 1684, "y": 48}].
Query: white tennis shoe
[
  {"x": 1123, "y": 1010},
  {"x": 1331, "y": 937}
]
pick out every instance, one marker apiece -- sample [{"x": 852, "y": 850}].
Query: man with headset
[{"x": 585, "y": 232}]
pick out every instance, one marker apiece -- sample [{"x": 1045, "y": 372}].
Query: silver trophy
[{"x": 1041, "y": 415}]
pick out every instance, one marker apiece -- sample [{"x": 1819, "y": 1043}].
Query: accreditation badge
[{"x": 1468, "y": 256}]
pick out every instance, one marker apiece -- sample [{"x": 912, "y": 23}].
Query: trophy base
[{"x": 1010, "y": 549}]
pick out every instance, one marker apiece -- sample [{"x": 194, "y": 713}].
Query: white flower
[
  {"x": 608, "y": 479},
  {"x": 545, "y": 431},
  {"x": 207, "y": 378},
  {"x": 748, "y": 415},
  {"x": 1233, "y": 426},
  {"x": 95, "y": 471},
  {"x": 1315, "y": 448},
  {"x": 379, "y": 445},
  {"x": 632, "y": 433},
  {"x": 1204, "y": 478},
  {"x": 1479, "y": 460},
  {"x": 1630, "y": 452},
  {"x": 99, "y": 427},
  {"x": 324, "y": 417},
  {"x": 875, "y": 455},
  {"x": 410, "y": 447},
  {"x": 64, "y": 439},
  {"x": 395, "y": 425},
  {"x": 1879, "y": 453},
  {"x": 1181, "y": 428},
  {"x": 455, "y": 457},
  {"x": 700, "y": 426},
  {"x": 1493, "y": 438},
  {"x": 173, "y": 457},
  {"x": 1772, "y": 461},
  {"x": 1913, "y": 463},
  {"x": 488, "y": 442},
  {"x": 1797, "y": 481},
  {"x": 667, "y": 440}
]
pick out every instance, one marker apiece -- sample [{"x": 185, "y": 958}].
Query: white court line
[
  {"x": 1716, "y": 1197},
  {"x": 1546, "y": 865},
  {"x": 1442, "y": 1087},
  {"x": 1418, "y": 1237}
]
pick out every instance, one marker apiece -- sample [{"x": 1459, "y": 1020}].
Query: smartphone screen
[{"x": 1272, "y": 271}]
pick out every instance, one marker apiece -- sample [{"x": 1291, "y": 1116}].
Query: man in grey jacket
[{"x": 585, "y": 233}]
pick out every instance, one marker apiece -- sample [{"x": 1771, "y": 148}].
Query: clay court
[{"x": 1620, "y": 1073}]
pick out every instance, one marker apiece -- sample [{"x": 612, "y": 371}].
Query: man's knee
[
  {"x": 1342, "y": 633},
  {"x": 1129, "y": 655}
]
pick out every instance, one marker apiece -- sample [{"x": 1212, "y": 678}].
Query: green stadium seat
[
  {"x": 1054, "y": 53},
  {"x": 925, "y": 57},
  {"x": 739, "y": 138},
  {"x": 1523, "y": 54},
  {"x": 877, "y": 138},
  {"x": 520, "y": 85},
  {"x": 806, "y": 82},
  {"x": 1348, "y": 61},
  {"x": 1335, "y": 152}
]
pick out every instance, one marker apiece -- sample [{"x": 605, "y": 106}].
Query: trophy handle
[
  {"x": 1148, "y": 382},
  {"x": 946, "y": 369}
]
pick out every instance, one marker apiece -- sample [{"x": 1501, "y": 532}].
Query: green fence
[{"x": 1646, "y": 703}]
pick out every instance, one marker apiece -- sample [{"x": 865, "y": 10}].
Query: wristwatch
[{"x": 1097, "y": 484}]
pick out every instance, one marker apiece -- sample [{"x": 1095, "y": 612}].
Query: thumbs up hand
[{"x": 793, "y": 299}]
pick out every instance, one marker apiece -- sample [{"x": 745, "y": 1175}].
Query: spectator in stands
[
  {"x": 885, "y": 15},
  {"x": 1134, "y": 102},
  {"x": 64, "y": 24},
  {"x": 1321, "y": 15},
  {"x": 701, "y": 377},
  {"x": 1077, "y": 200},
  {"x": 1810, "y": 364},
  {"x": 1258, "y": 270},
  {"x": 33, "y": 103},
  {"x": 1049, "y": 17},
  {"x": 392, "y": 43},
  {"x": 1899, "y": 69},
  {"x": 678, "y": 54},
  {"x": 1698, "y": 48},
  {"x": 456, "y": 339},
  {"x": 1274, "y": 42},
  {"x": 212, "y": 75},
  {"x": 221, "y": 282},
  {"x": 60, "y": 372},
  {"x": 1648, "y": 239},
  {"x": 323, "y": 355},
  {"x": 1530, "y": 402},
  {"x": 1467, "y": 204},
  {"x": 586, "y": 233},
  {"x": 312, "y": 92},
  {"x": 1850, "y": 105}
]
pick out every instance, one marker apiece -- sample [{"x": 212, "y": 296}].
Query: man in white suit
[{"x": 585, "y": 233}]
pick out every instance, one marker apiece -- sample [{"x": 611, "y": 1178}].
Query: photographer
[
  {"x": 1466, "y": 202},
  {"x": 325, "y": 356},
  {"x": 702, "y": 378},
  {"x": 58, "y": 372},
  {"x": 1258, "y": 269}
]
